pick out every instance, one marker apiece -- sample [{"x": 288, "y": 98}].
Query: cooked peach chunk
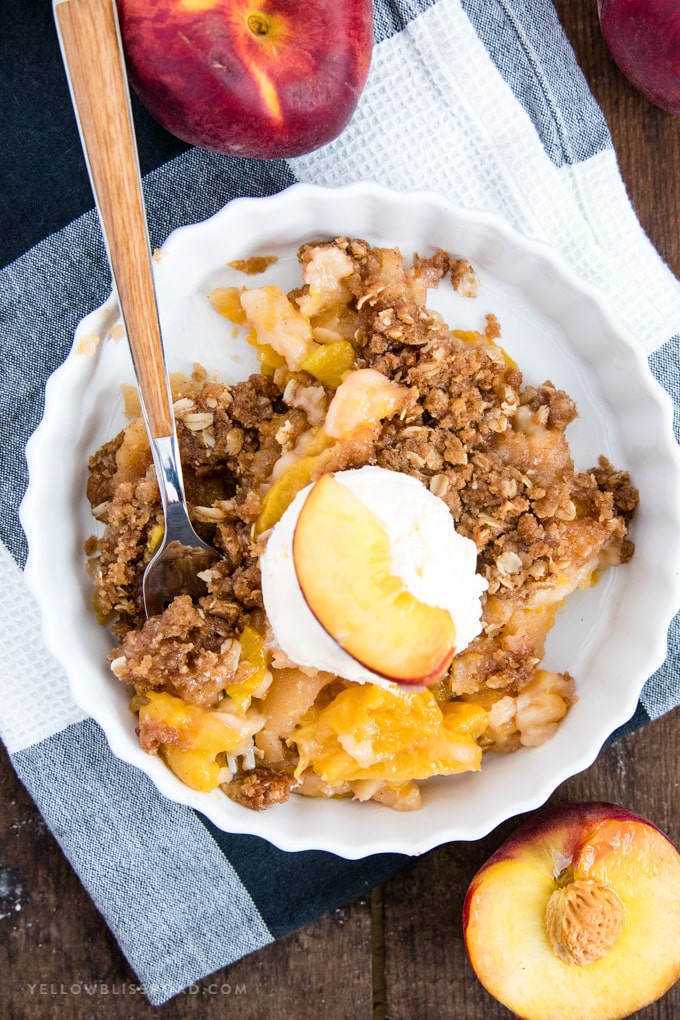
[
  {"x": 577, "y": 915},
  {"x": 343, "y": 562},
  {"x": 362, "y": 400},
  {"x": 330, "y": 362},
  {"x": 227, "y": 301},
  {"x": 252, "y": 676},
  {"x": 195, "y": 768},
  {"x": 325, "y": 268},
  {"x": 190, "y": 737},
  {"x": 278, "y": 324}
]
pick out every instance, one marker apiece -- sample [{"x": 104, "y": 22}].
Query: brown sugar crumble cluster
[{"x": 355, "y": 370}]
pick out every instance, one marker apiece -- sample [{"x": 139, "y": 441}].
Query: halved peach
[
  {"x": 343, "y": 562},
  {"x": 577, "y": 915}
]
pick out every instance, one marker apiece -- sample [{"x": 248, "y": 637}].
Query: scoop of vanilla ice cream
[{"x": 436, "y": 564}]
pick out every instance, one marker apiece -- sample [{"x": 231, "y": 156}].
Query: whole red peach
[
  {"x": 259, "y": 78},
  {"x": 644, "y": 39}
]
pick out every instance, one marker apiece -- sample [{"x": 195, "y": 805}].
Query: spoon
[{"x": 92, "y": 52}]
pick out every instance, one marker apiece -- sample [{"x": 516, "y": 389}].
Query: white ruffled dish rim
[{"x": 611, "y": 637}]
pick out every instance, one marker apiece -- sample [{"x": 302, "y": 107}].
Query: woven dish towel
[{"x": 480, "y": 100}]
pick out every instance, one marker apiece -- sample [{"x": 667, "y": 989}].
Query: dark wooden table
[{"x": 398, "y": 954}]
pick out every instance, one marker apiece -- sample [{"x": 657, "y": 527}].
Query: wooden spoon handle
[{"x": 93, "y": 57}]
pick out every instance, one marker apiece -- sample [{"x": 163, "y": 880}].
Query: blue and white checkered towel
[{"x": 480, "y": 100}]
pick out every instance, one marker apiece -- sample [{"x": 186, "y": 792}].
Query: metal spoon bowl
[{"x": 92, "y": 52}]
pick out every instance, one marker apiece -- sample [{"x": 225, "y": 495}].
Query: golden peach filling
[
  {"x": 373, "y": 733},
  {"x": 355, "y": 371}
]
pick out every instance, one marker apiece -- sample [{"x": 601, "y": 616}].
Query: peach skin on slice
[
  {"x": 343, "y": 562},
  {"x": 577, "y": 915}
]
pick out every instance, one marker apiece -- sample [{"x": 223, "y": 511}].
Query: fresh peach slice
[
  {"x": 577, "y": 915},
  {"x": 343, "y": 562}
]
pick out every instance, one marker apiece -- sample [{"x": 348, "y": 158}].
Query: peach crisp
[{"x": 357, "y": 375}]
